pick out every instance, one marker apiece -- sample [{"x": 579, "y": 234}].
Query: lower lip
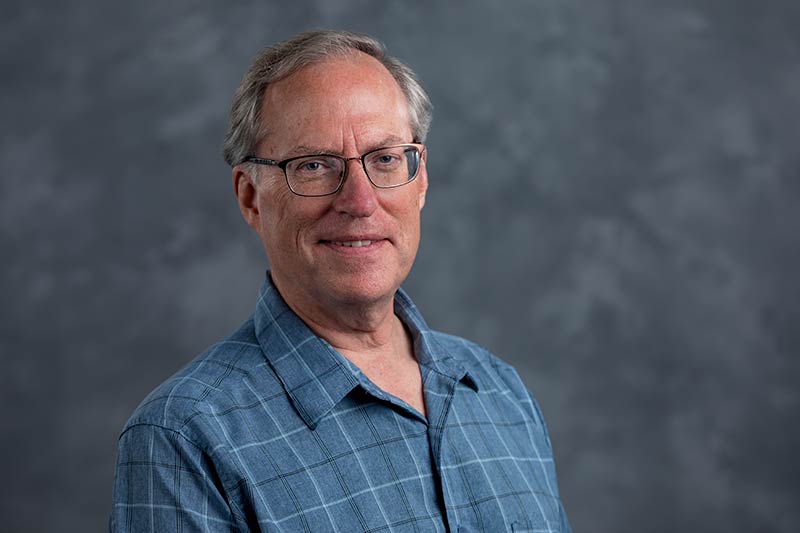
[{"x": 355, "y": 250}]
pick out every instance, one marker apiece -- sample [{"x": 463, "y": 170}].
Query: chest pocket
[
  {"x": 544, "y": 516},
  {"x": 546, "y": 520}
]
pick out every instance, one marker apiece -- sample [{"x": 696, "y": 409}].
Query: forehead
[{"x": 352, "y": 96}]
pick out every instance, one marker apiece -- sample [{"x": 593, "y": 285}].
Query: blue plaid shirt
[{"x": 273, "y": 430}]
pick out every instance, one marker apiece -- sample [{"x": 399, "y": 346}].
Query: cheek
[
  {"x": 411, "y": 204},
  {"x": 273, "y": 214},
  {"x": 407, "y": 217},
  {"x": 288, "y": 219}
]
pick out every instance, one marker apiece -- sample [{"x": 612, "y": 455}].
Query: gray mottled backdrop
[{"x": 612, "y": 208}]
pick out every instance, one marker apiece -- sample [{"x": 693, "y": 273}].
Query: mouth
[
  {"x": 364, "y": 242},
  {"x": 351, "y": 244}
]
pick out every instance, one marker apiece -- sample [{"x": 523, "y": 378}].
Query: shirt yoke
[{"x": 211, "y": 384}]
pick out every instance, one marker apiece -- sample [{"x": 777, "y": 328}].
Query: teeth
[{"x": 352, "y": 244}]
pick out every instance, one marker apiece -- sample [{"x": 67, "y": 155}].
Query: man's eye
[
  {"x": 384, "y": 160},
  {"x": 311, "y": 166}
]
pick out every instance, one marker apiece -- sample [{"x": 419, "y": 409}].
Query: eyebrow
[{"x": 304, "y": 149}]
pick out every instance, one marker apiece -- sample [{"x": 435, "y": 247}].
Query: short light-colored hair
[{"x": 245, "y": 129}]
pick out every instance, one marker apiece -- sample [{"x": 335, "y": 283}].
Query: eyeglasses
[{"x": 324, "y": 174}]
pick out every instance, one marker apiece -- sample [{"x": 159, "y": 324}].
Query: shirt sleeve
[
  {"x": 164, "y": 482},
  {"x": 565, "y": 527}
]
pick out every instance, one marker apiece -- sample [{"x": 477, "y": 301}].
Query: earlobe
[{"x": 246, "y": 194}]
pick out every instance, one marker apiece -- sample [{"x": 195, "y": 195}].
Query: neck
[
  {"x": 370, "y": 335},
  {"x": 349, "y": 326}
]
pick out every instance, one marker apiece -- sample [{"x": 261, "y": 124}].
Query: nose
[{"x": 357, "y": 197}]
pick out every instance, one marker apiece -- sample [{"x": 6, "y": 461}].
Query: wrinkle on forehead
[
  {"x": 305, "y": 149},
  {"x": 303, "y": 105}
]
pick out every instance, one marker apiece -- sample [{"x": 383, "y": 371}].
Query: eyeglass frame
[{"x": 282, "y": 164}]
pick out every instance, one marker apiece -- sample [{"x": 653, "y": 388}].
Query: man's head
[
  {"x": 330, "y": 93},
  {"x": 247, "y": 124}
]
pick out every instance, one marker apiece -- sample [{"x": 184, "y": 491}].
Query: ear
[
  {"x": 423, "y": 179},
  {"x": 247, "y": 195}
]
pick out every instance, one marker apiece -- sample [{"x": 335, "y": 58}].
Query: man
[{"x": 335, "y": 408}]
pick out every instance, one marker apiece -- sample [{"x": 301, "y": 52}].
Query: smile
[{"x": 352, "y": 244}]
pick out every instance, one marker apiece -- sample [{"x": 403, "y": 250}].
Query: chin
[{"x": 365, "y": 288}]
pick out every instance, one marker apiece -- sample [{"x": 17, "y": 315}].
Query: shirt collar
[
  {"x": 315, "y": 376},
  {"x": 428, "y": 348}
]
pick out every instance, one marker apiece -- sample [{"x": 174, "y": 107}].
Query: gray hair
[{"x": 277, "y": 62}]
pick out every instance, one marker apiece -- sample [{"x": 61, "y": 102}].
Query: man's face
[{"x": 345, "y": 106}]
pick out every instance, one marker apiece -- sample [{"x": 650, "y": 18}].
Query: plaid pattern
[{"x": 273, "y": 430}]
